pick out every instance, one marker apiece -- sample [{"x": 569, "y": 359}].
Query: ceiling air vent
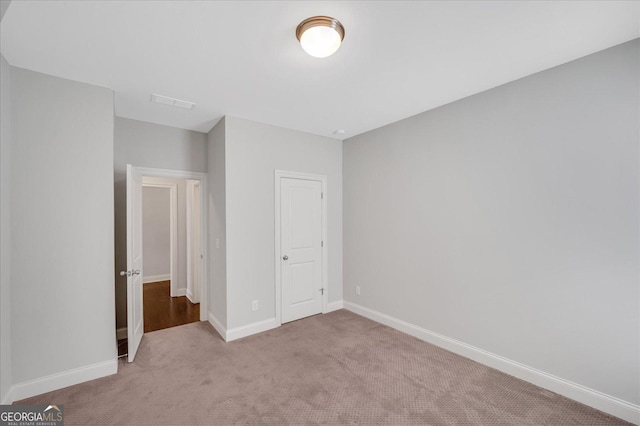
[{"x": 165, "y": 100}]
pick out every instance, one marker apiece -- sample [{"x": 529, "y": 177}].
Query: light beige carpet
[{"x": 337, "y": 368}]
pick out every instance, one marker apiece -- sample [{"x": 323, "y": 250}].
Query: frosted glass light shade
[{"x": 320, "y": 36}]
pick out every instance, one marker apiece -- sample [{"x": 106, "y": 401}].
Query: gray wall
[
  {"x": 156, "y": 238},
  {"x": 5, "y": 228},
  {"x": 253, "y": 152},
  {"x": 4, "y": 5},
  {"x": 509, "y": 221},
  {"x": 217, "y": 223},
  {"x": 62, "y": 302},
  {"x": 147, "y": 145}
]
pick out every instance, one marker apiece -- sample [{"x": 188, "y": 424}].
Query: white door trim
[
  {"x": 173, "y": 227},
  {"x": 191, "y": 186},
  {"x": 202, "y": 177},
  {"x": 278, "y": 175}
]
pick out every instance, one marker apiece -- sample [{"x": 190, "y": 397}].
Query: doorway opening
[
  {"x": 168, "y": 238},
  {"x": 166, "y": 272}
]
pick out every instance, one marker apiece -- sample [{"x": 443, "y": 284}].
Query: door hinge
[
  {"x": 321, "y": 243},
  {"x": 322, "y": 195},
  {"x": 322, "y": 291}
]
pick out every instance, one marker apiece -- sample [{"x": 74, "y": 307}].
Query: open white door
[{"x": 135, "y": 318}]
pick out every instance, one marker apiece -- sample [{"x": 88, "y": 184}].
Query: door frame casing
[
  {"x": 278, "y": 175},
  {"x": 173, "y": 227},
  {"x": 204, "y": 269},
  {"x": 191, "y": 185}
]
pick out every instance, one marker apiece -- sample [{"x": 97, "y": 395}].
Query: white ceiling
[{"x": 242, "y": 58}]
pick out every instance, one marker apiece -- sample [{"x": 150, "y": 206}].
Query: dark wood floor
[{"x": 163, "y": 311}]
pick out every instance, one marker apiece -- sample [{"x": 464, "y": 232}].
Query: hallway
[{"x": 163, "y": 311}]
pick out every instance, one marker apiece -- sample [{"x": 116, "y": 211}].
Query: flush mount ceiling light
[{"x": 320, "y": 36}]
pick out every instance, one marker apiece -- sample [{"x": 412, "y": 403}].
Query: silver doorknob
[
  {"x": 136, "y": 272},
  {"x": 125, "y": 273},
  {"x": 285, "y": 257}
]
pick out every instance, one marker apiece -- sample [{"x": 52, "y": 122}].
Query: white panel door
[
  {"x": 301, "y": 250},
  {"x": 135, "y": 318}
]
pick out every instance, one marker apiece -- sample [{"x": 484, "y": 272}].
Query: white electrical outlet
[
  {"x": 358, "y": 290},
  {"x": 254, "y": 305}
]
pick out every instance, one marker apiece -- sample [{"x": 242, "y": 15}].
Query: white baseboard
[
  {"x": 61, "y": 380},
  {"x": 257, "y": 327},
  {"x": 189, "y": 295},
  {"x": 249, "y": 329},
  {"x": 215, "y": 323},
  {"x": 334, "y": 306},
  {"x": 180, "y": 292},
  {"x": 591, "y": 397},
  {"x": 121, "y": 333},
  {"x": 156, "y": 278}
]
